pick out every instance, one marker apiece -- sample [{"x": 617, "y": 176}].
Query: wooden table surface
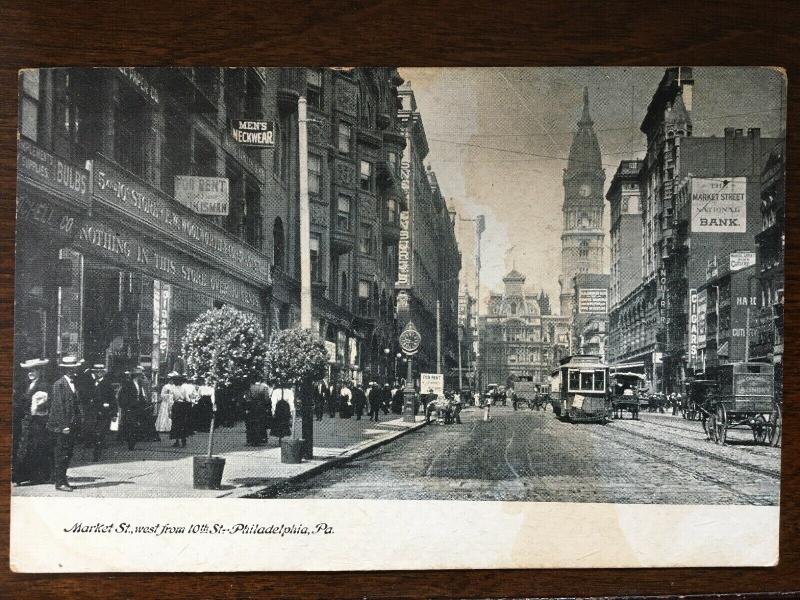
[{"x": 410, "y": 33}]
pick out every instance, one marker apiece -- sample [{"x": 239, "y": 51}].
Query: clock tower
[{"x": 582, "y": 227}]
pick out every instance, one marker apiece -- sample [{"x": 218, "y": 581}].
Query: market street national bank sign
[
  {"x": 719, "y": 204},
  {"x": 169, "y": 220}
]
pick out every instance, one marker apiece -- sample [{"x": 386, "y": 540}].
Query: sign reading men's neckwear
[{"x": 256, "y": 134}]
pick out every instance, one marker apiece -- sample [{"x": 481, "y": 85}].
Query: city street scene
[{"x": 486, "y": 284}]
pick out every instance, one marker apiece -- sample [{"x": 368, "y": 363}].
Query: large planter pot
[
  {"x": 207, "y": 472},
  {"x": 291, "y": 451}
]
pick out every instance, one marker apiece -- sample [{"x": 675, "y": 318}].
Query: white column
[{"x": 305, "y": 218}]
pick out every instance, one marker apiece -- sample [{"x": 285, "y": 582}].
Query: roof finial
[{"x": 585, "y": 118}]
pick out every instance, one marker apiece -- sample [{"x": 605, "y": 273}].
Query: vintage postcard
[{"x": 398, "y": 318}]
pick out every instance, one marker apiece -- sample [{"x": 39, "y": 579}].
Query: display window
[{"x": 123, "y": 318}]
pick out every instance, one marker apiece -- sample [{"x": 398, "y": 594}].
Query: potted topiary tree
[
  {"x": 226, "y": 348},
  {"x": 296, "y": 358}
]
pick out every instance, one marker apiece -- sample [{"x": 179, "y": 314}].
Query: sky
[{"x": 499, "y": 139}]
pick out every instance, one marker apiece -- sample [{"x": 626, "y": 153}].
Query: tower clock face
[{"x": 585, "y": 190}]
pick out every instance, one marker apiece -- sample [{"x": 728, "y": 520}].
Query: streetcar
[
  {"x": 627, "y": 389},
  {"x": 583, "y": 393},
  {"x": 555, "y": 387},
  {"x": 744, "y": 397}
]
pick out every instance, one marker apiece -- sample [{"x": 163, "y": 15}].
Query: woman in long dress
[
  {"x": 202, "y": 396},
  {"x": 281, "y": 426},
  {"x": 33, "y": 448},
  {"x": 167, "y": 397},
  {"x": 180, "y": 415}
]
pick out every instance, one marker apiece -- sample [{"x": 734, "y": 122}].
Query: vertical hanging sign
[
  {"x": 693, "y": 328},
  {"x": 156, "y": 360},
  {"x": 404, "y": 251}
]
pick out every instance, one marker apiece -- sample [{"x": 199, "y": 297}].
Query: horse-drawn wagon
[{"x": 743, "y": 397}]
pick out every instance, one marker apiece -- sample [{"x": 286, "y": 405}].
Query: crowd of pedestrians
[{"x": 88, "y": 405}]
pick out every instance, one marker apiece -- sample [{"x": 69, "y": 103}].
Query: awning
[{"x": 627, "y": 366}]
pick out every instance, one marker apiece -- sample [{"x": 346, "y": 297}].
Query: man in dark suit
[
  {"x": 132, "y": 404},
  {"x": 256, "y": 422},
  {"x": 103, "y": 408},
  {"x": 359, "y": 400},
  {"x": 333, "y": 395},
  {"x": 374, "y": 398},
  {"x": 321, "y": 398},
  {"x": 84, "y": 384},
  {"x": 64, "y": 420}
]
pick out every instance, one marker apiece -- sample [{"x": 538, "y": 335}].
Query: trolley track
[
  {"x": 751, "y": 499},
  {"x": 705, "y": 454},
  {"x": 761, "y": 450}
]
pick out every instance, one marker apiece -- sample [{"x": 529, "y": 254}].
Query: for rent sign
[
  {"x": 204, "y": 195},
  {"x": 719, "y": 204},
  {"x": 431, "y": 383}
]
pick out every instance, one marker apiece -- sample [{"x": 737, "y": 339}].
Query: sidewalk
[{"x": 157, "y": 470}]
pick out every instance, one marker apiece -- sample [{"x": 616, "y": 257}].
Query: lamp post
[
  {"x": 397, "y": 357},
  {"x": 410, "y": 340},
  {"x": 386, "y": 353}
]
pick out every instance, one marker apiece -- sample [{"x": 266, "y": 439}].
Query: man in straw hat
[
  {"x": 31, "y": 445},
  {"x": 64, "y": 420}
]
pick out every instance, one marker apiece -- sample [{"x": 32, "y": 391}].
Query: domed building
[{"x": 520, "y": 338}]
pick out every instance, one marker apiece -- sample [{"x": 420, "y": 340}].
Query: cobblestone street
[{"x": 531, "y": 455}]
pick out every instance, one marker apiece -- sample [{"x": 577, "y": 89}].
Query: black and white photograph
[{"x": 486, "y": 286}]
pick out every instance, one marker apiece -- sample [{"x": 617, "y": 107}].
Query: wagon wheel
[
  {"x": 775, "y": 425},
  {"x": 721, "y": 423},
  {"x": 709, "y": 425},
  {"x": 759, "y": 429}
]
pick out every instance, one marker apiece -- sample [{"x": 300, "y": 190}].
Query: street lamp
[
  {"x": 397, "y": 357},
  {"x": 386, "y": 352}
]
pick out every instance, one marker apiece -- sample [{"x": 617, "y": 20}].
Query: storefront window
[{"x": 70, "y": 303}]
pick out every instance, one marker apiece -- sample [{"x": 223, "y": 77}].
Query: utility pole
[
  {"x": 460, "y": 373},
  {"x": 305, "y": 219},
  {"x": 438, "y": 336},
  {"x": 480, "y": 227},
  {"x": 306, "y": 403}
]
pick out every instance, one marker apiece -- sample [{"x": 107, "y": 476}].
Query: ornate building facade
[{"x": 519, "y": 338}]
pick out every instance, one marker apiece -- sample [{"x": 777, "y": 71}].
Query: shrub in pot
[
  {"x": 296, "y": 358},
  {"x": 225, "y": 347}
]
